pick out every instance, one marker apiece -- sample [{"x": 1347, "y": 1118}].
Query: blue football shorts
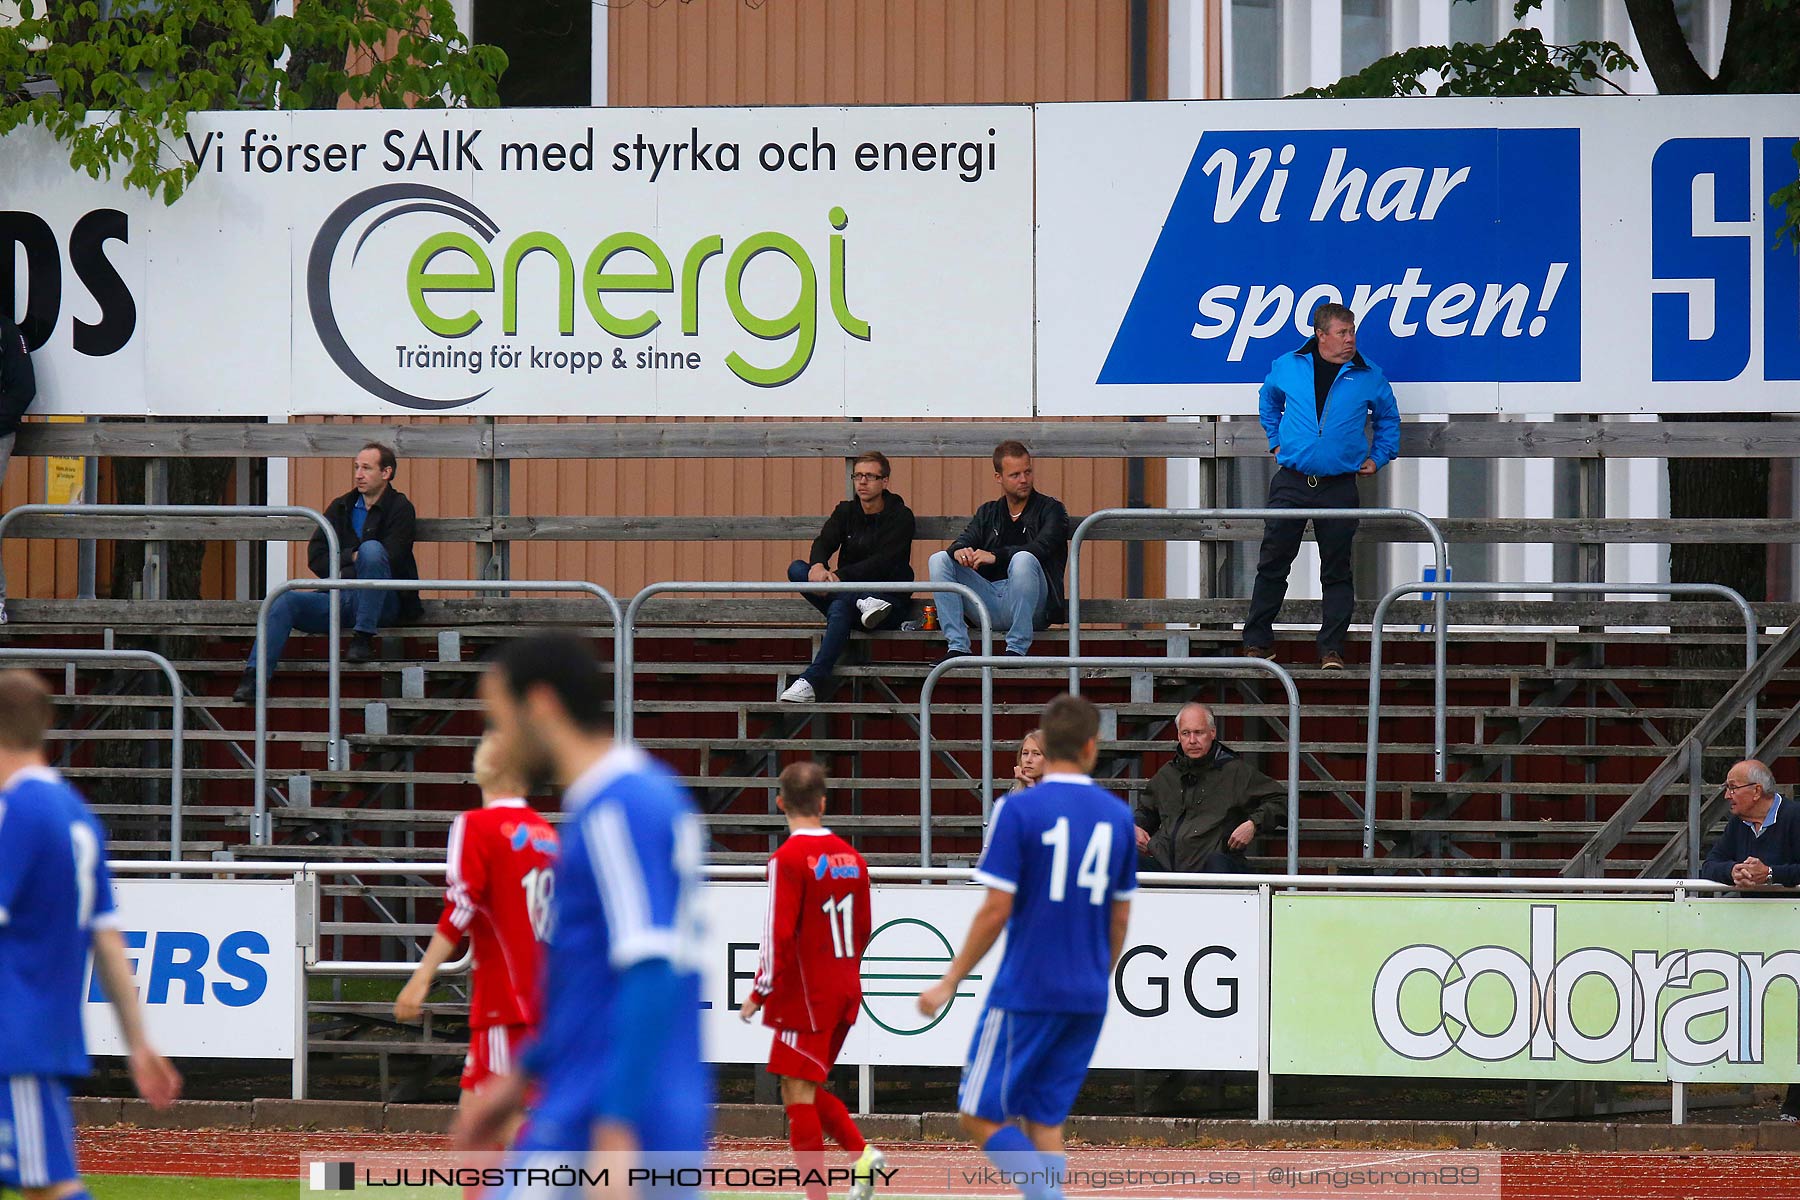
[
  {"x": 37, "y": 1133},
  {"x": 1027, "y": 1064}
]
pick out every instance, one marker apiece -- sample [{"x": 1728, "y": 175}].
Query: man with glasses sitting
[{"x": 871, "y": 537}]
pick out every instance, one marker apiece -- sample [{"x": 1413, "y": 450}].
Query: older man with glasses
[
  {"x": 1758, "y": 852},
  {"x": 871, "y": 537}
]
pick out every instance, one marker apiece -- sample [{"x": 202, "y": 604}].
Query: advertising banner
[
  {"x": 1463, "y": 987},
  {"x": 838, "y": 262},
  {"x": 1520, "y": 256},
  {"x": 214, "y": 964},
  {"x": 1185, "y": 994}
]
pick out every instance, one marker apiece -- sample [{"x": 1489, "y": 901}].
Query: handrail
[
  {"x": 177, "y": 718},
  {"x": 1349, "y": 883},
  {"x": 216, "y": 510},
  {"x": 259, "y": 831},
  {"x": 908, "y": 587},
  {"x": 1013, "y": 662},
  {"x": 1442, "y": 588},
  {"x": 1441, "y": 688}
]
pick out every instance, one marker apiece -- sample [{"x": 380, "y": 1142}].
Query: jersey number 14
[{"x": 1091, "y": 874}]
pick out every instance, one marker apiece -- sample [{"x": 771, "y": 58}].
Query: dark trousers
[
  {"x": 841, "y": 619},
  {"x": 1281, "y": 542},
  {"x": 1219, "y": 862}
]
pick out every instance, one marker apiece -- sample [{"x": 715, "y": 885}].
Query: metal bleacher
[
  {"x": 1557, "y": 712},
  {"x": 1548, "y": 730}
]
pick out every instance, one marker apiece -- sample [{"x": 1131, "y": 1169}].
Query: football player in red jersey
[
  {"x": 502, "y": 872},
  {"x": 809, "y": 979}
]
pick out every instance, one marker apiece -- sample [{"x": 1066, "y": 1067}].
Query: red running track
[{"x": 276, "y": 1154}]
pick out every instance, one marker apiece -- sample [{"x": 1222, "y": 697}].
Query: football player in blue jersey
[
  {"x": 616, "y": 1068},
  {"x": 56, "y": 906},
  {"x": 1060, "y": 869}
]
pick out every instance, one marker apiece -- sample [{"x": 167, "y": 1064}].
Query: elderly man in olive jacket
[{"x": 1202, "y": 810}]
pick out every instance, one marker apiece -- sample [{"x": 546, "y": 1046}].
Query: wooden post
[
  {"x": 244, "y": 477},
  {"x": 1590, "y": 502},
  {"x": 156, "y": 554},
  {"x": 1206, "y": 559}
]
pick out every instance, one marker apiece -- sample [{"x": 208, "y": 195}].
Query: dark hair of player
[
  {"x": 25, "y": 710},
  {"x": 803, "y": 788},
  {"x": 1069, "y": 723},
  {"x": 566, "y": 666}
]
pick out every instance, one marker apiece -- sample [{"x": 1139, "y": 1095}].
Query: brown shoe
[
  {"x": 1266, "y": 653},
  {"x": 1332, "y": 661}
]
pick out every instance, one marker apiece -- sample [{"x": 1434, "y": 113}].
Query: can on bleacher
[{"x": 930, "y": 614}]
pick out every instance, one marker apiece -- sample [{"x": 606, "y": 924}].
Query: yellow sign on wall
[{"x": 64, "y": 477}]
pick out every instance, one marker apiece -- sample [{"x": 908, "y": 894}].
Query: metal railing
[
  {"x": 335, "y": 755},
  {"x": 1442, "y": 588},
  {"x": 1441, "y": 686},
  {"x": 307, "y": 877},
  {"x": 212, "y": 510},
  {"x": 177, "y": 715},
  {"x": 1014, "y": 663},
  {"x": 881, "y": 587}
]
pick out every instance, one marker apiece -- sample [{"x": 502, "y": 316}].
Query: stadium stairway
[{"x": 1547, "y": 732}]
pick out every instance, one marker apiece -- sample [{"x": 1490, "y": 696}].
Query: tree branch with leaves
[{"x": 118, "y": 84}]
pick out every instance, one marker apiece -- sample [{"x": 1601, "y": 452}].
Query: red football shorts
[
  {"x": 806, "y": 1054},
  {"x": 492, "y": 1053}
]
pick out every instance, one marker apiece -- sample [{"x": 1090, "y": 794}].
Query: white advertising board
[
  {"x": 592, "y": 262},
  {"x": 215, "y": 967},
  {"x": 1185, "y": 995},
  {"x": 1584, "y": 255}
]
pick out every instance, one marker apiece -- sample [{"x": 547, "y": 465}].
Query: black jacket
[
  {"x": 1193, "y": 804},
  {"x": 18, "y": 383},
  {"x": 392, "y": 522},
  {"x": 877, "y": 548},
  {"x": 1047, "y": 530},
  {"x": 1778, "y": 848}
]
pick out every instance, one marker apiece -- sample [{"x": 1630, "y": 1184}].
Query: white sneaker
[
  {"x": 798, "y": 692},
  {"x": 874, "y": 611},
  {"x": 862, "y": 1175},
  {"x": 2, "y": 612}
]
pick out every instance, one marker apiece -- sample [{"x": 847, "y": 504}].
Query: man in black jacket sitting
[
  {"x": 17, "y": 387},
  {"x": 1012, "y": 553},
  {"x": 872, "y": 538},
  {"x": 375, "y": 526}
]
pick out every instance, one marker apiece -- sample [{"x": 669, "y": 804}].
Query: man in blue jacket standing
[{"x": 1315, "y": 406}]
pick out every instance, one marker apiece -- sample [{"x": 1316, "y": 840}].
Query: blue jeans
[
  {"x": 1019, "y": 603},
  {"x": 841, "y": 619},
  {"x": 365, "y": 610}
]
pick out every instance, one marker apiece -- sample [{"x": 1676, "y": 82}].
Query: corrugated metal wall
[
  {"x": 36, "y": 567},
  {"x": 877, "y": 52}
]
